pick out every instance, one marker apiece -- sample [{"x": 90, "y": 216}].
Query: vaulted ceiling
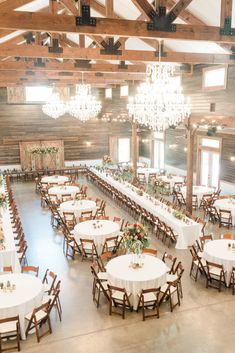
[{"x": 45, "y": 41}]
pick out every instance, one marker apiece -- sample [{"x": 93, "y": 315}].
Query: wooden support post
[
  {"x": 226, "y": 11},
  {"x": 134, "y": 148},
  {"x": 190, "y": 150}
]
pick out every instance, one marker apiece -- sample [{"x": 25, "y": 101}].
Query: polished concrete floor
[{"x": 204, "y": 323}]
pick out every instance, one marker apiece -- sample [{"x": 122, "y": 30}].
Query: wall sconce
[
  {"x": 173, "y": 146},
  {"x": 145, "y": 140},
  {"x": 88, "y": 143},
  {"x": 232, "y": 159},
  {"x": 185, "y": 149}
]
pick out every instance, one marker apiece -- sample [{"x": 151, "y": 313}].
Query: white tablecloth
[
  {"x": 90, "y": 230},
  {"x": 217, "y": 251},
  {"x": 226, "y": 204},
  {"x": 187, "y": 233},
  {"x": 55, "y": 179},
  {"x": 62, "y": 190},
  {"x": 77, "y": 207},
  {"x": 147, "y": 171},
  {"x": 174, "y": 179},
  {"x": 151, "y": 275},
  {"x": 199, "y": 191},
  {"x": 27, "y": 295},
  {"x": 8, "y": 256}
]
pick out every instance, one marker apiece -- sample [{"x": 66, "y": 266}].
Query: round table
[
  {"x": 151, "y": 275},
  {"x": 97, "y": 230},
  {"x": 54, "y": 179},
  {"x": 172, "y": 180},
  {"x": 147, "y": 171},
  {"x": 27, "y": 295},
  {"x": 217, "y": 251},
  {"x": 199, "y": 191},
  {"x": 77, "y": 207},
  {"x": 63, "y": 190},
  {"x": 226, "y": 204}
]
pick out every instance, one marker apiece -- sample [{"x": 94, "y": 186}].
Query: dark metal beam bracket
[{"x": 85, "y": 19}]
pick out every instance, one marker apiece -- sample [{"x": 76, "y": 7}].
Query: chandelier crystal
[
  {"x": 159, "y": 102},
  {"x": 54, "y": 107},
  {"x": 84, "y": 106}
]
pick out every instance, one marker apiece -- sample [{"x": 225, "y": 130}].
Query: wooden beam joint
[
  {"x": 110, "y": 48},
  {"x": 161, "y": 22},
  {"x": 86, "y": 19},
  {"x": 82, "y": 64},
  {"x": 55, "y": 48},
  {"x": 227, "y": 30}
]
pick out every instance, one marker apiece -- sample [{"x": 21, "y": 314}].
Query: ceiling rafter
[
  {"x": 110, "y": 27},
  {"x": 35, "y": 51}
]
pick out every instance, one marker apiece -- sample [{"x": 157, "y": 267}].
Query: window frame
[
  {"x": 214, "y": 68},
  {"x": 49, "y": 88}
]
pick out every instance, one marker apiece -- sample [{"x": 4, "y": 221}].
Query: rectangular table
[
  {"x": 187, "y": 233},
  {"x": 8, "y": 256}
]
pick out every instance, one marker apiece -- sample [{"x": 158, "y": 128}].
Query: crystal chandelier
[
  {"x": 84, "y": 106},
  {"x": 159, "y": 102},
  {"x": 54, "y": 107}
]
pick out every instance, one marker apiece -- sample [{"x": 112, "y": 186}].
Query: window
[
  {"x": 215, "y": 78},
  {"x": 210, "y": 143},
  {"x": 124, "y": 91},
  {"x": 123, "y": 150},
  {"x": 38, "y": 94},
  {"x": 108, "y": 93}
]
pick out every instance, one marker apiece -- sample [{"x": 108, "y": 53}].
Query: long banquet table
[
  {"x": 8, "y": 256},
  {"x": 187, "y": 233}
]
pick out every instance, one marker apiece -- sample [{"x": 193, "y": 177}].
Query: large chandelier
[
  {"x": 54, "y": 107},
  {"x": 159, "y": 102},
  {"x": 84, "y": 106}
]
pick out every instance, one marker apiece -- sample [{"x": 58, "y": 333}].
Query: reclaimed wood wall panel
[{"x": 26, "y": 122}]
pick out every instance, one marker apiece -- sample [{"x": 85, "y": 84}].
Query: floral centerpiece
[
  {"x": 135, "y": 238},
  {"x": 178, "y": 214},
  {"x": 44, "y": 150},
  {"x": 1, "y": 179},
  {"x": 107, "y": 160}
]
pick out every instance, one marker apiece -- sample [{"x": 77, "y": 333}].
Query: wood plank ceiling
[{"x": 45, "y": 41}]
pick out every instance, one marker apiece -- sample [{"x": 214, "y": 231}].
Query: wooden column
[
  {"x": 190, "y": 150},
  {"x": 134, "y": 148}
]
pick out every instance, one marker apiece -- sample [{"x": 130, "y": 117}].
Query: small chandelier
[
  {"x": 54, "y": 107},
  {"x": 84, "y": 106},
  {"x": 159, "y": 102}
]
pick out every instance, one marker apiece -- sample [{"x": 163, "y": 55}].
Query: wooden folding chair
[
  {"x": 149, "y": 299},
  {"x": 119, "y": 298},
  {"x": 39, "y": 316},
  {"x": 10, "y": 329}
]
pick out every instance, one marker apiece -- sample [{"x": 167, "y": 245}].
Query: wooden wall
[
  {"x": 201, "y": 99},
  {"x": 26, "y": 122}
]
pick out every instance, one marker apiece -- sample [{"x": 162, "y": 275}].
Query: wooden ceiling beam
[
  {"x": 186, "y": 15},
  {"x": 69, "y": 67},
  {"x": 36, "y": 51},
  {"x": 225, "y": 11},
  {"x": 70, "y": 6},
  {"x": 178, "y": 8},
  {"x": 144, "y": 7},
  {"x": 109, "y": 8},
  {"x": 110, "y": 27},
  {"x": 11, "y": 5},
  {"x": 9, "y": 74}
]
